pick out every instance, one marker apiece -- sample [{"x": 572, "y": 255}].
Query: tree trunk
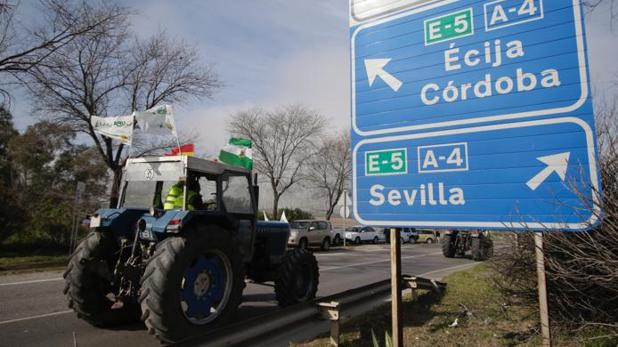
[
  {"x": 332, "y": 204},
  {"x": 275, "y": 206},
  {"x": 330, "y": 211},
  {"x": 115, "y": 192}
]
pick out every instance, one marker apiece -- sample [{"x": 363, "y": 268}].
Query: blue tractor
[{"x": 177, "y": 250}]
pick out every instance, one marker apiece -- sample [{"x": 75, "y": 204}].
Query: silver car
[{"x": 307, "y": 233}]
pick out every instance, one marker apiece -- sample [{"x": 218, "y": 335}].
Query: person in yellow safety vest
[{"x": 175, "y": 196}]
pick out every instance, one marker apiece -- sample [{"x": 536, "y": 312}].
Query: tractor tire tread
[
  {"x": 285, "y": 291},
  {"x": 448, "y": 246}
]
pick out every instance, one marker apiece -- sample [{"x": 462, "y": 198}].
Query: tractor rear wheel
[
  {"x": 298, "y": 277},
  {"x": 88, "y": 283},
  {"x": 477, "y": 249},
  {"x": 192, "y": 283},
  {"x": 488, "y": 248},
  {"x": 448, "y": 246}
]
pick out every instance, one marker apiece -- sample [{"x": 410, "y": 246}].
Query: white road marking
[
  {"x": 375, "y": 262},
  {"x": 330, "y": 254},
  {"x": 31, "y": 281},
  {"x": 35, "y": 317}
]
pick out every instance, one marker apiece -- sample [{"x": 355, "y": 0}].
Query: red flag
[{"x": 188, "y": 150}]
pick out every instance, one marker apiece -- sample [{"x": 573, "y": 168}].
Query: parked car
[
  {"x": 307, "y": 233},
  {"x": 427, "y": 236},
  {"x": 359, "y": 234},
  {"x": 408, "y": 235}
]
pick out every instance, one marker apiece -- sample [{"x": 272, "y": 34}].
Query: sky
[
  {"x": 274, "y": 52},
  {"x": 271, "y": 53},
  {"x": 267, "y": 53}
]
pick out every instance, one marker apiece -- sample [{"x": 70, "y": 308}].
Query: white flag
[
  {"x": 158, "y": 120},
  {"x": 283, "y": 218},
  {"x": 118, "y": 128}
]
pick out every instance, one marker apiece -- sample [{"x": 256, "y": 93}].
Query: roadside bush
[{"x": 295, "y": 214}]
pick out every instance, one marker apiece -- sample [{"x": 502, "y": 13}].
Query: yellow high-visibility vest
[{"x": 175, "y": 198}]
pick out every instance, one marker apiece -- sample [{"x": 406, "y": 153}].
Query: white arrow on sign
[
  {"x": 557, "y": 163},
  {"x": 375, "y": 68}
]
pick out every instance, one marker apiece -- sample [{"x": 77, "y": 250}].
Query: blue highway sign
[
  {"x": 472, "y": 114},
  {"x": 535, "y": 174},
  {"x": 453, "y": 63}
]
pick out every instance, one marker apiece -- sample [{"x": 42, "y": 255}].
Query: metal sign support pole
[
  {"x": 345, "y": 215},
  {"x": 540, "y": 271},
  {"x": 396, "y": 288}
]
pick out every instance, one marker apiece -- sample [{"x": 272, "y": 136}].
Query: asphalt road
[{"x": 33, "y": 311}]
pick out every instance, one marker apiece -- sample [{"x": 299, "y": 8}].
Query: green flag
[{"x": 238, "y": 153}]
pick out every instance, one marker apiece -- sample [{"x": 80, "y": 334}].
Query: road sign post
[
  {"x": 345, "y": 214},
  {"x": 472, "y": 114},
  {"x": 542, "y": 289},
  {"x": 79, "y": 191},
  {"x": 397, "y": 325}
]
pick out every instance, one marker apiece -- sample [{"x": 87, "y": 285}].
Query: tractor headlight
[{"x": 95, "y": 221}]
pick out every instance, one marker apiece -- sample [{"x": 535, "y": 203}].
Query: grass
[
  {"x": 32, "y": 259},
  {"x": 482, "y": 320},
  {"x": 17, "y": 259}
]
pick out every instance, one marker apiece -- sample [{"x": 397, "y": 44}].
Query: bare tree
[
  {"x": 282, "y": 143},
  {"x": 110, "y": 72},
  {"x": 22, "y": 48},
  {"x": 329, "y": 170}
]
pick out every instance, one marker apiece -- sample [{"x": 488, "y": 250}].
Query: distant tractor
[
  {"x": 455, "y": 243},
  {"x": 178, "y": 248}
]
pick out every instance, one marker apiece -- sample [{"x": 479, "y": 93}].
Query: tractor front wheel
[
  {"x": 298, "y": 277},
  {"x": 192, "y": 283},
  {"x": 89, "y": 288}
]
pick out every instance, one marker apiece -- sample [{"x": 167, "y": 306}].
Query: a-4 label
[{"x": 443, "y": 158}]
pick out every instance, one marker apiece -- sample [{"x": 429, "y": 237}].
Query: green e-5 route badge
[
  {"x": 386, "y": 162},
  {"x": 450, "y": 26}
]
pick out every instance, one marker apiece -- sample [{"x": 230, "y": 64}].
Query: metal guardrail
[{"x": 329, "y": 307}]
